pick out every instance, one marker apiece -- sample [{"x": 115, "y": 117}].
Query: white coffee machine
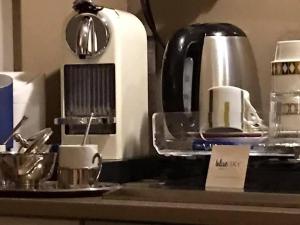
[{"x": 104, "y": 72}]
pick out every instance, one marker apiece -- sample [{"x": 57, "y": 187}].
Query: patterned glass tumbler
[{"x": 284, "y": 123}]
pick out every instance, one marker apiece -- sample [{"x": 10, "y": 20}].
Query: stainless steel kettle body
[{"x": 202, "y": 56}]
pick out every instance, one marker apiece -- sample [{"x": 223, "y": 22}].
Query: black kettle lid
[
  {"x": 86, "y": 6},
  {"x": 220, "y": 29}
]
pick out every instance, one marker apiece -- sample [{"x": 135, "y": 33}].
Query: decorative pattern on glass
[{"x": 285, "y": 68}]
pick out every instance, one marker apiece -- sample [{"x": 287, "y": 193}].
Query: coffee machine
[{"x": 104, "y": 71}]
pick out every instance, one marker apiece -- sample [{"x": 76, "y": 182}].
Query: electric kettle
[{"x": 202, "y": 56}]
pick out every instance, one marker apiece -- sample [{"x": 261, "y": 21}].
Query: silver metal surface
[
  {"x": 87, "y": 35},
  {"x": 27, "y": 170},
  {"x": 35, "y": 143},
  {"x": 84, "y": 120},
  {"x": 51, "y": 189},
  {"x": 87, "y": 39},
  {"x": 78, "y": 178},
  {"x": 87, "y": 129},
  {"x": 228, "y": 61},
  {"x": 38, "y": 140},
  {"x": 21, "y": 140}
]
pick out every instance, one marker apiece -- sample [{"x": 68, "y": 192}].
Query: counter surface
[{"x": 155, "y": 204}]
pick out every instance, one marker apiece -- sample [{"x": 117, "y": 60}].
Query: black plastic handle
[
  {"x": 86, "y": 6},
  {"x": 187, "y": 42}
]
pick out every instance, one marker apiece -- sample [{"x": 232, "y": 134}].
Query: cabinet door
[
  {"x": 114, "y": 223},
  {"x": 119, "y": 223},
  {"x": 34, "y": 221}
]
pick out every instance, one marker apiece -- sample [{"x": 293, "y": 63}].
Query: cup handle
[
  {"x": 98, "y": 157},
  {"x": 251, "y": 118}
]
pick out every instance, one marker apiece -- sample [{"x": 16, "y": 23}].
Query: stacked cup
[{"x": 284, "y": 123}]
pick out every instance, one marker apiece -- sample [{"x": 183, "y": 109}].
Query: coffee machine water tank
[{"x": 105, "y": 72}]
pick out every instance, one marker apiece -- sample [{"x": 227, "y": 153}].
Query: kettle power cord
[{"x": 146, "y": 7}]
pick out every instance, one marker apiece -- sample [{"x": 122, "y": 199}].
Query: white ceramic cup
[
  {"x": 229, "y": 109},
  {"x": 286, "y": 67},
  {"x": 78, "y": 166},
  {"x": 79, "y": 157},
  {"x": 2, "y": 148},
  {"x": 288, "y": 50}
]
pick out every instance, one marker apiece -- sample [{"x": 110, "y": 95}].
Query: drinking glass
[{"x": 284, "y": 124}]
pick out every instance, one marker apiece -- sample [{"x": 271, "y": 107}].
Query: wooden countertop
[{"x": 144, "y": 203}]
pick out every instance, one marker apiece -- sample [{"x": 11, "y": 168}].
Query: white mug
[
  {"x": 288, "y": 50},
  {"x": 79, "y": 156},
  {"x": 229, "y": 109}
]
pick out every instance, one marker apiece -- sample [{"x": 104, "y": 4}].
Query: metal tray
[{"x": 49, "y": 189}]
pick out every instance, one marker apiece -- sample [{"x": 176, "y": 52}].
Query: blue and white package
[{"x": 6, "y": 109}]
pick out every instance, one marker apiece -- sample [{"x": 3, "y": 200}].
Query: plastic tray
[{"x": 177, "y": 134}]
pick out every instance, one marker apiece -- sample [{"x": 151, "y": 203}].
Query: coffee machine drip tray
[{"x": 77, "y": 125}]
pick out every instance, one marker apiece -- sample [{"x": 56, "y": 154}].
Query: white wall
[{"x": 6, "y": 36}]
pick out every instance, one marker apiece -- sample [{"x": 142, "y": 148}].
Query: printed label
[{"x": 227, "y": 168}]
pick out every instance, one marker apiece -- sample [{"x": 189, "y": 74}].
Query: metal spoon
[
  {"x": 24, "y": 118},
  {"x": 87, "y": 130}
]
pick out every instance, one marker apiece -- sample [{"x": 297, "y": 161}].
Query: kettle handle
[{"x": 187, "y": 42}]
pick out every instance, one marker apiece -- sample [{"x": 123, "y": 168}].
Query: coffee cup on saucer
[
  {"x": 230, "y": 110},
  {"x": 79, "y": 166}
]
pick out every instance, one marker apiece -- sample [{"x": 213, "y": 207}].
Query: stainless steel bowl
[{"x": 26, "y": 171}]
